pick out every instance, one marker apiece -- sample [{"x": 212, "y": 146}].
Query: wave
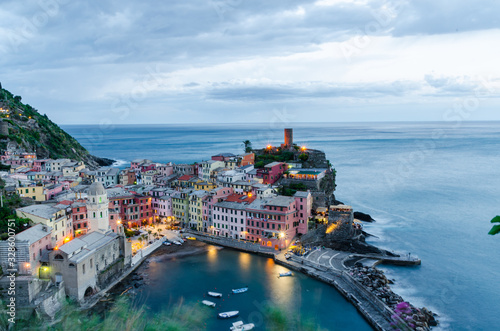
[{"x": 120, "y": 163}]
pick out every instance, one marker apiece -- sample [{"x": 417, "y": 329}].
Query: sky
[{"x": 241, "y": 61}]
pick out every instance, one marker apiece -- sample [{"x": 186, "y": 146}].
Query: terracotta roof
[{"x": 185, "y": 177}]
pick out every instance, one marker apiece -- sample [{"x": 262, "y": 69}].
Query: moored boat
[
  {"x": 238, "y": 326},
  {"x": 240, "y": 290},
  {"x": 228, "y": 314},
  {"x": 215, "y": 294},
  {"x": 286, "y": 274},
  {"x": 208, "y": 303}
]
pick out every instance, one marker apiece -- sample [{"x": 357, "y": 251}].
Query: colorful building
[
  {"x": 229, "y": 216},
  {"x": 272, "y": 172}
]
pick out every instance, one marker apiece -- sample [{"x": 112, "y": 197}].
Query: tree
[
  {"x": 248, "y": 146},
  {"x": 303, "y": 157},
  {"x": 496, "y": 228}
]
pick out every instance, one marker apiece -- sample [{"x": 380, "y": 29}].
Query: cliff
[{"x": 36, "y": 133}]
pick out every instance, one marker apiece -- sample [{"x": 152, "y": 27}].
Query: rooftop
[
  {"x": 34, "y": 233},
  {"x": 88, "y": 244},
  {"x": 273, "y": 164},
  {"x": 46, "y": 211}
]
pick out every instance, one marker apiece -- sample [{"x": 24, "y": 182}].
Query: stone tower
[
  {"x": 288, "y": 138},
  {"x": 4, "y": 128},
  {"x": 97, "y": 208}
]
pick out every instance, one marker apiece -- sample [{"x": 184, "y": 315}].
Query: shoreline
[{"x": 371, "y": 308}]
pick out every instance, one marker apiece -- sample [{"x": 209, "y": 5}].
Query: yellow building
[
  {"x": 196, "y": 209},
  {"x": 204, "y": 186},
  {"x": 34, "y": 192}
]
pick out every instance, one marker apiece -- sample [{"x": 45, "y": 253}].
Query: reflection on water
[
  {"x": 212, "y": 254},
  {"x": 244, "y": 260},
  {"x": 220, "y": 270}
]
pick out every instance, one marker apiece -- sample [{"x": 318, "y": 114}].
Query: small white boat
[
  {"x": 167, "y": 243},
  {"x": 177, "y": 243},
  {"x": 237, "y": 326},
  {"x": 215, "y": 294},
  {"x": 240, "y": 290},
  {"x": 286, "y": 274},
  {"x": 208, "y": 303},
  {"x": 229, "y": 314}
]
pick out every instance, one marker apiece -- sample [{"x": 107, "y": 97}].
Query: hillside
[{"x": 34, "y": 132}]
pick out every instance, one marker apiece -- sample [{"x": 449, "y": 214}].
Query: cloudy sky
[{"x": 178, "y": 61}]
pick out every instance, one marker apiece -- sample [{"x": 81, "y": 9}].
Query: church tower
[{"x": 97, "y": 208}]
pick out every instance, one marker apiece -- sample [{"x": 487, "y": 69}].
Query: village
[{"x": 86, "y": 226}]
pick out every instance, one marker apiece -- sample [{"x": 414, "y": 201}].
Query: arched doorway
[{"x": 89, "y": 291}]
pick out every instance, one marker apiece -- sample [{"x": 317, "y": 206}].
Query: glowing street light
[
  {"x": 304, "y": 148},
  {"x": 282, "y": 235}
]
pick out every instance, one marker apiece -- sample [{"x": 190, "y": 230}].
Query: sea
[{"x": 432, "y": 188}]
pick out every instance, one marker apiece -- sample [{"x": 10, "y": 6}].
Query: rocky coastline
[{"x": 373, "y": 279}]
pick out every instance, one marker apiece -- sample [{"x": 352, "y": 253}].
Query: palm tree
[
  {"x": 248, "y": 146},
  {"x": 140, "y": 240},
  {"x": 149, "y": 233}
]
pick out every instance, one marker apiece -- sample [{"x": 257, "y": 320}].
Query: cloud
[{"x": 77, "y": 60}]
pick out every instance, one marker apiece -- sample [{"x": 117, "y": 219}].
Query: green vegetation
[
  {"x": 496, "y": 228},
  {"x": 7, "y": 212},
  {"x": 270, "y": 156},
  {"x": 248, "y": 146},
  {"x": 278, "y": 320},
  {"x": 33, "y": 131},
  {"x": 123, "y": 316},
  {"x": 126, "y": 316},
  {"x": 291, "y": 189},
  {"x": 304, "y": 157}
]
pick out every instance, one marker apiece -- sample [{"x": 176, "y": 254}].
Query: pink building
[
  {"x": 31, "y": 244},
  {"x": 304, "y": 203},
  {"x": 79, "y": 214},
  {"x": 272, "y": 172},
  {"x": 223, "y": 157},
  {"x": 213, "y": 197},
  {"x": 137, "y": 162},
  {"x": 273, "y": 222},
  {"x": 52, "y": 190},
  {"x": 39, "y": 165},
  {"x": 230, "y": 215},
  {"x": 165, "y": 170}
]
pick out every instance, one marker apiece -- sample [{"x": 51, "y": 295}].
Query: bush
[{"x": 303, "y": 157}]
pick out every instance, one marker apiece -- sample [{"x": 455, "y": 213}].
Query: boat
[
  {"x": 177, "y": 243},
  {"x": 240, "y": 290},
  {"x": 208, "y": 303},
  {"x": 286, "y": 274},
  {"x": 288, "y": 256},
  {"x": 191, "y": 238},
  {"x": 229, "y": 314},
  {"x": 215, "y": 294},
  {"x": 237, "y": 326},
  {"x": 167, "y": 243}
]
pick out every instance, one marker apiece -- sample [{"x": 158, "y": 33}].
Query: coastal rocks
[
  {"x": 377, "y": 283},
  {"x": 363, "y": 217}
]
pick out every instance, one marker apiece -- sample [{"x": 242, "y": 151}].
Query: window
[
  {"x": 83, "y": 268},
  {"x": 58, "y": 257},
  {"x": 91, "y": 263}
]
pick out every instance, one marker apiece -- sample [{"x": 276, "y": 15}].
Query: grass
[{"x": 126, "y": 316}]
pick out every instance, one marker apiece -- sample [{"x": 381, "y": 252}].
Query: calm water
[
  {"x": 222, "y": 270},
  {"x": 433, "y": 188}
]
